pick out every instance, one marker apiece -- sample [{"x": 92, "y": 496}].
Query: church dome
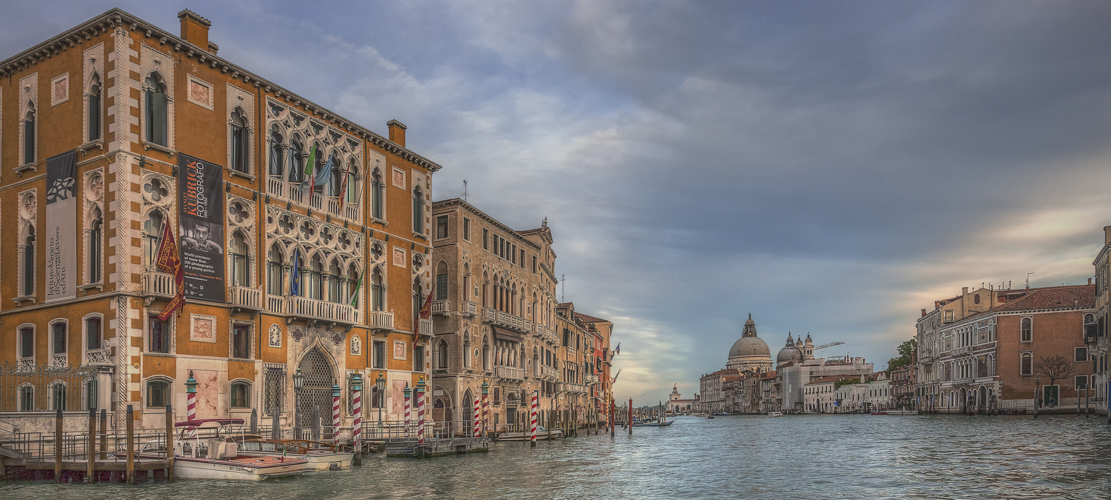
[
  {"x": 790, "y": 352},
  {"x": 749, "y": 353},
  {"x": 749, "y": 346}
]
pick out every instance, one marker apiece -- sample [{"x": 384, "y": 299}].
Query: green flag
[
  {"x": 358, "y": 287},
  {"x": 309, "y": 164}
]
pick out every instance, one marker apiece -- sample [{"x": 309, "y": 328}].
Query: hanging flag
[
  {"x": 358, "y": 287},
  {"x": 323, "y": 175},
  {"x": 295, "y": 276},
  {"x": 168, "y": 262},
  {"x": 424, "y": 313},
  {"x": 615, "y": 377},
  {"x": 617, "y": 350},
  {"x": 343, "y": 189},
  {"x": 308, "y": 174}
]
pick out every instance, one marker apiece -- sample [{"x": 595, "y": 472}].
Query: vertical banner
[
  {"x": 202, "y": 227},
  {"x": 61, "y": 226}
]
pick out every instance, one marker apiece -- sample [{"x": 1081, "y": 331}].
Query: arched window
[
  {"x": 486, "y": 354},
  {"x": 29, "y": 262},
  {"x": 467, "y": 354},
  {"x": 1027, "y": 330},
  {"x": 274, "y": 263},
  {"x": 152, "y": 233},
  {"x": 158, "y": 393},
  {"x": 441, "y": 281},
  {"x": 276, "y": 145},
  {"x": 94, "y": 107},
  {"x": 95, "y": 246},
  {"x": 317, "y": 166},
  {"x": 59, "y": 339},
  {"x": 351, "y": 184},
  {"x": 296, "y": 169},
  {"x": 333, "y": 282},
  {"x": 1027, "y": 364},
  {"x": 335, "y": 185},
  {"x": 156, "y": 114},
  {"x": 485, "y": 288},
  {"x": 418, "y": 296},
  {"x": 467, "y": 294},
  {"x": 94, "y": 334},
  {"x": 240, "y": 394},
  {"x": 240, "y": 262},
  {"x": 441, "y": 355},
  {"x": 29, "y": 134},
  {"x": 240, "y": 141},
  {"x": 352, "y": 284},
  {"x": 377, "y": 290},
  {"x": 418, "y": 210},
  {"x": 377, "y": 194},
  {"x": 315, "y": 273},
  {"x": 58, "y": 396},
  {"x": 26, "y": 397}
]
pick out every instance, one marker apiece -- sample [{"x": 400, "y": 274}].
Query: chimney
[
  {"x": 194, "y": 29},
  {"x": 397, "y": 132},
  {"x": 923, "y": 312},
  {"x": 1106, "y": 234},
  {"x": 1089, "y": 281},
  {"x": 964, "y": 290}
]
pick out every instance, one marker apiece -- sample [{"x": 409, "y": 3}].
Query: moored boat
[
  {"x": 773, "y": 414},
  {"x": 541, "y": 435},
  {"x": 320, "y": 456},
  {"x": 219, "y": 457}
]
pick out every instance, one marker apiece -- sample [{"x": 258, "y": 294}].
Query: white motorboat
[
  {"x": 219, "y": 457},
  {"x": 541, "y": 435},
  {"x": 320, "y": 456},
  {"x": 773, "y": 414}
]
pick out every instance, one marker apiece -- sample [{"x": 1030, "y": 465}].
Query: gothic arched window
[{"x": 156, "y": 114}]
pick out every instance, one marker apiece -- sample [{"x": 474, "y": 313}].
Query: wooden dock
[{"x": 436, "y": 447}]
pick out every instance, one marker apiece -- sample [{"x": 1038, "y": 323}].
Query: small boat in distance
[{"x": 772, "y": 414}]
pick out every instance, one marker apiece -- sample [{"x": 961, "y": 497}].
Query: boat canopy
[{"x": 201, "y": 421}]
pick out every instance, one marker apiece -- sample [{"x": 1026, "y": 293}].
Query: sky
[{"x": 829, "y": 167}]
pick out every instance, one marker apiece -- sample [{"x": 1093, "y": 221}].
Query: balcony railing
[
  {"x": 573, "y": 388},
  {"x": 59, "y": 360},
  {"x": 97, "y": 357},
  {"x": 426, "y": 326},
  {"x": 441, "y": 307},
  {"x": 504, "y": 319},
  {"x": 545, "y": 333},
  {"x": 298, "y": 193},
  {"x": 380, "y": 320},
  {"x": 468, "y": 309},
  {"x": 276, "y": 304},
  {"x": 305, "y": 307},
  {"x": 158, "y": 284},
  {"x": 245, "y": 297},
  {"x": 549, "y": 373},
  {"x": 510, "y": 372},
  {"x": 591, "y": 379}
]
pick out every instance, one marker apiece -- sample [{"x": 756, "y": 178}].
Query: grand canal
[{"x": 795, "y": 457}]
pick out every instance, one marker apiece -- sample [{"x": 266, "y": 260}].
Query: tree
[
  {"x": 1056, "y": 368},
  {"x": 907, "y": 350}
]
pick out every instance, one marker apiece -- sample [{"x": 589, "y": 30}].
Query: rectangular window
[
  {"x": 92, "y": 334},
  {"x": 159, "y": 335},
  {"x": 241, "y": 341},
  {"x": 26, "y": 342},
  {"x": 58, "y": 336},
  {"x": 1080, "y": 354},
  {"x": 418, "y": 358},
  {"x": 157, "y": 394},
  {"x": 466, "y": 229},
  {"x": 240, "y": 395},
  {"x": 1081, "y": 382},
  {"x": 441, "y": 286},
  {"x": 522, "y": 259},
  {"x": 948, "y": 316},
  {"x": 497, "y": 396},
  {"x": 497, "y": 245},
  {"x": 513, "y": 253},
  {"x": 533, "y": 264},
  {"x": 485, "y": 239},
  {"x": 274, "y": 390},
  {"x": 379, "y": 355},
  {"x": 441, "y": 227}
]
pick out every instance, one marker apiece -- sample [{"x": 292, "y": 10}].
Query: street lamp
[
  {"x": 380, "y": 385},
  {"x": 298, "y": 384}
]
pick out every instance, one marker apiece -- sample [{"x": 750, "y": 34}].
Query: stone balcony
[
  {"x": 243, "y": 297},
  {"x": 571, "y": 388},
  {"x": 468, "y": 309},
  {"x": 380, "y": 320},
  {"x": 549, "y": 373},
  {"x": 320, "y": 310},
  {"x": 509, "y": 372},
  {"x": 441, "y": 307},
  {"x": 591, "y": 379},
  {"x": 101, "y": 356},
  {"x": 545, "y": 333},
  {"x": 502, "y": 319},
  {"x": 426, "y": 327},
  {"x": 156, "y": 284},
  {"x": 299, "y": 194}
]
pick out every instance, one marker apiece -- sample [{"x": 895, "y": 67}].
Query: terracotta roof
[
  {"x": 1056, "y": 297},
  {"x": 590, "y": 319}
]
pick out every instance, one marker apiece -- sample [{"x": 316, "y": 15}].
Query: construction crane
[{"x": 828, "y": 345}]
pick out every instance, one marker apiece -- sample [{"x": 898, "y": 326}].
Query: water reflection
[{"x": 728, "y": 457}]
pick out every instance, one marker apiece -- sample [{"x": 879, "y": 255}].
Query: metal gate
[{"x": 317, "y": 392}]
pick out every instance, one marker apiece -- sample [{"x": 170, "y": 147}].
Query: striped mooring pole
[
  {"x": 532, "y": 414},
  {"x": 485, "y": 408},
  {"x": 408, "y": 405},
  {"x": 335, "y": 413},
  {"x": 477, "y": 422},
  {"x": 420, "y": 411},
  {"x": 191, "y": 389},
  {"x": 357, "y": 409}
]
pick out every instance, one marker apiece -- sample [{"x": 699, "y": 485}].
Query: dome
[
  {"x": 790, "y": 352},
  {"x": 749, "y": 346}
]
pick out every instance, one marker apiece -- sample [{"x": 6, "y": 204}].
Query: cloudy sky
[{"x": 828, "y": 167}]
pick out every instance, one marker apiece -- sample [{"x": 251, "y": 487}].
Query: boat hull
[{"x": 237, "y": 470}]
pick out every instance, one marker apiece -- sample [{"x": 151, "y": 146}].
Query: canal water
[{"x": 794, "y": 457}]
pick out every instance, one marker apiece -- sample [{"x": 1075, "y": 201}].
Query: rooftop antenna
[
  {"x": 464, "y": 189},
  {"x": 1028, "y": 279}
]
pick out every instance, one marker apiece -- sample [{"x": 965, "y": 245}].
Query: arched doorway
[
  {"x": 466, "y": 409},
  {"x": 441, "y": 416},
  {"x": 983, "y": 403},
  {"x": 962, "y": 400},
  {"x": 317, "y": 391}
]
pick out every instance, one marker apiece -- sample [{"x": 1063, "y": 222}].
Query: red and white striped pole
[
  {"x": 532, "y": 413},
  {"x": 408, "y": 405},
  {"x": 357, "y": 409},
  {"x": 477, "y": 422},
  {"x": 420, "y": 411},
  {"x": 335, "y": 413},
  {"x": 191, "y": 389},
  {"x": 485, "y": 408}
]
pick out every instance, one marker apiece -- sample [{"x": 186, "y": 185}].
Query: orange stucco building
[{"x": 285, "y": 270}]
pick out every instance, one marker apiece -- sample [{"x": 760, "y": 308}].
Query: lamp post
[
  {"x": 1037, "y": 390},
  {"x": 380, "y": 384},
  {"x": 298, "y": 384}
]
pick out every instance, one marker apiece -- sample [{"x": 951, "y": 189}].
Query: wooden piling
[
  {"x": 130, "y": 445},
  {"x": 90, "y": 448},
  {"x": 104, "y": 434},
  {"x": 59, "y": 438},
  {"x": 169, "y": 444},
  {"x": 630, "y": 417}
]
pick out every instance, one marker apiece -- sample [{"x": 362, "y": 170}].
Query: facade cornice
[
  {"x": 458, "y": 203},
  {"x": 118, "y": 18}
]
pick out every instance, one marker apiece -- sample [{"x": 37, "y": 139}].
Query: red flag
[
  {"x": 424, "y": 313},
  {"x": 168, "y": 262}
]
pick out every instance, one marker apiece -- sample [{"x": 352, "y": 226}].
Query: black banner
[
  {"x": 202, "y": 228},
  {"x": 61, "y": 226}
]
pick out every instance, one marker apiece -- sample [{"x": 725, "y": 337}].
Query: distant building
[
  {"x": 749, "y": 353},
  {"x": 904, "y": 385},
  {"x": 1095, "y": 334},
  {"x": 676, "y": 405},
  {"x": 819, "y": 395}
]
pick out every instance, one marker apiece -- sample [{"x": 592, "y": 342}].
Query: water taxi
[
  {"x": 218, "y": 456},
  {"x": 773, "y": 414}
]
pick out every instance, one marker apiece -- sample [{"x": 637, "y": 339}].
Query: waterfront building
[
  {"x": 676, "y": 405},
  {"x": 598, "y": 380},
  {"x": 904, "y": 386},
  {"x": 869, "y": 394},
  {"x": 116, "y": 133},
  {"x": 946, "y": 311},
  {"x": 818, "y": 395},
  {"x": 572, "y": 392},
  {"x": 1095, "y": 335},
  {"x": 993, "y": 360},
  {"x": 749, "y": 353},
  {"x": 796, "y": 367},
  {"x": 712, "y": 391}
]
